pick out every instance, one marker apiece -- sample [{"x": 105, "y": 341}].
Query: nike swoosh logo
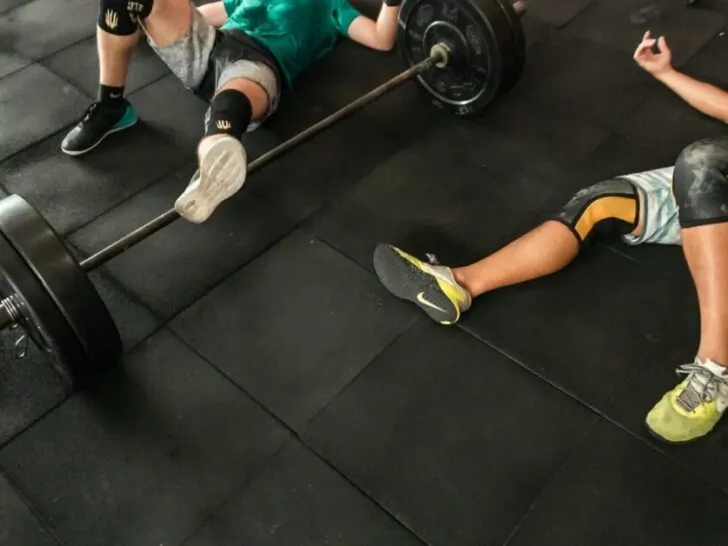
[
  {"x": 115, "y": 95},
  {"x": 423, "y": 301}
]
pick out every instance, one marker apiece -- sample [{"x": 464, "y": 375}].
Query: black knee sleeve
[
  {"x": 606, "y": 208},
  {"x": 699, "y": 183},
  {"x": 230, "y": 113},
  {"x": 119, "y": 17}
]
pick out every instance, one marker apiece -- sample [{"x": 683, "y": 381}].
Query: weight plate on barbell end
[
  {"x": 514, "y": 67},
  {"x": 487, "y": 48},
  {"x": 56, "y": 294}
]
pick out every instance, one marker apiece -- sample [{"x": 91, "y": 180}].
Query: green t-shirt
[{"x": 296, "y": 32}]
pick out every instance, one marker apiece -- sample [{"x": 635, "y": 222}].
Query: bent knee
[
  {"x": 699, "y": 182},
  {"x": 607, "y": 208}
]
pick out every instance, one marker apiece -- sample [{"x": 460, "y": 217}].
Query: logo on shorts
[
  {"x": 111, "y": 18},
  {"x": 223, "y": 125}
]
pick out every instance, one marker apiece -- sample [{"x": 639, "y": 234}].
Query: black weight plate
[
  {"x": 514, "y": 67},
  {"x": 63, "y": 302},
  {"x": 481, "y": 35}
]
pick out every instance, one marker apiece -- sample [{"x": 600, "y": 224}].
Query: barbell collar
[{"x": 438, "y": 56}]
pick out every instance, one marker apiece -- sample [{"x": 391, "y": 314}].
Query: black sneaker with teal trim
[{"x": 99, "y": 121}]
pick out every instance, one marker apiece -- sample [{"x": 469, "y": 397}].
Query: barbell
[{"x": 462, "y": 52}]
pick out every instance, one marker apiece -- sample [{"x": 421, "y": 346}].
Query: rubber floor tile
[
  {"x": 557, "y": 12},
  {"x": 351, "y": 71},
  {"x": 610, "y": 23},
  {"x": 29, "y": 387},
  {"x": 615, "y": 156},
  {"x": 133, "y": 320},
  {"x": 337, "y": 319},
  {"x": 171, "y": 111},
  {"x": 26, "y": 30},
  {"x": 27, "y": 113},
  {"x": 324, "y": 168},
  {"x": 297, "y": 499},
  {"x": 72, "y": 191},
  {"x": 536, "y": 30},
  {"x": 18, "y": 525},
  {"x": 143, "y": 456},
  {"x": 10, "y": 62},
  {"x": 431, "y": 197},
  {"x": 665, "y": 121},
  {"x": 583, "y": 80},
  {"x": 720, "y": 6},
  {"x": 601, "y": 313},
  {"x": 79, "y": 65},
  {"x": 531, "y": 151},
  {"x": 616, "y": 490},
  {"x": 174, "y": 267},
  {"x": 453, "y": 438},
  {"x": 707, "y": 63},
  {"x": 677, "y": 344}
]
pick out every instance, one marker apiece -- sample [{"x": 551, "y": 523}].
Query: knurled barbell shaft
[{"x": 138, "y": 235}]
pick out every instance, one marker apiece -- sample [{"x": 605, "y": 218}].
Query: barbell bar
[{"x": 462, "y": 52}]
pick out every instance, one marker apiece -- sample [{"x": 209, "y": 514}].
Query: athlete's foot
[
  {"x": 98, "y": 122},
  {"x": 431, "y": 287},
  {"x": 222, "y": 172}
]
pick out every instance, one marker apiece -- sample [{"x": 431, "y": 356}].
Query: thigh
[
  {"x": 659, "y": 212},
  {"x": 181, "y": 37}
]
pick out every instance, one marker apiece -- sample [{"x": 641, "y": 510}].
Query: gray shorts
[
  {"x": 202, "y": 64},
  {"x": 659, "y": 211}
]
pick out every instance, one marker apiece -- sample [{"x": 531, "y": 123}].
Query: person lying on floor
[
  {"x": 686, "y": 204},
  {"x": 234, "y": 54}
]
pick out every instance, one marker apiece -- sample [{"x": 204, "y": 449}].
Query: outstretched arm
[
  {"x": 708, "y": 99},
  {"x": 380, "y": 34},
  {"x": 215, "y": 14}
]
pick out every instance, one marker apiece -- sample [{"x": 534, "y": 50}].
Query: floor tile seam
[
  {"x": 19, "y": 69},
  {"x": 33, "y": 510},
  {"x": 158, "y": 180},
  {"x": 41, "y": 59},
  {"x": 566, "y": 23},
  {"x": 605, "y": 416},
  {"x": 393, "y": 517},
  {"x": 257, "y": 469},
  {"x": 13, "y": 437},
  {"x": 167, "y": 321},
  {"x": 553, "y": 479},
  {"x": 660, "y": 450}
]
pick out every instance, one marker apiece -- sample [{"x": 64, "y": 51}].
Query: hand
[{"x": 654, "y": 63}]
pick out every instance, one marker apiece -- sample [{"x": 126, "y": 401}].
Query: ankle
[
  {"x": 110, "y": 95},
  {"x": 461, "y": 276}
]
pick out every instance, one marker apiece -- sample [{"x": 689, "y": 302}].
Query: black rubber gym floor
[{"x": 273, "y": 393}]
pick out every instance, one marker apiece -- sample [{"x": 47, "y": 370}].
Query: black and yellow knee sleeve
[
  {"x": 119, "y": 17},
  {"x": 606, "y": 208},
  {"x": 230, "y": 113}
]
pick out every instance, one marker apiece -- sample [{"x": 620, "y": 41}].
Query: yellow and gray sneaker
[
  {"x": 429, "y": 285},
  {"x": 694, "y": 407}
]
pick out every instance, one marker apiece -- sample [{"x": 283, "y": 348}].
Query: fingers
[
  {"x": 644, "y": 47},
  {"x": 662, "y": 44}
]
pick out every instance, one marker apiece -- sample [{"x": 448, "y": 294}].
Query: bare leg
[
  {"x": 706, "y": 252},
  {"x": 693, "y": 408},
  {"x": 114, "y": 56},
  {"x": 540, "y": 252}
]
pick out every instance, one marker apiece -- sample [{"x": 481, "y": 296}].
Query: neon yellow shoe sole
[{"x": 411, "y": 279}]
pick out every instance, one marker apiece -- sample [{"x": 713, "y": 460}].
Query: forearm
[
  {"x": 708, "y": 99},
  {"x": 386, "y": 26}
]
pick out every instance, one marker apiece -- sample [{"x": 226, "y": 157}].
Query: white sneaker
[{"x": 222, "y": 173}]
